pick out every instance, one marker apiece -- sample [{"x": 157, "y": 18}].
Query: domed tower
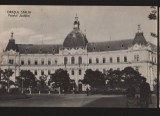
[{"x": 75, "y": 38}]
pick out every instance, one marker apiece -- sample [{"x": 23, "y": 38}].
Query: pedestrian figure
[
  {"x": 145, "y": 94},
  {"x": 87, "y": 90}
]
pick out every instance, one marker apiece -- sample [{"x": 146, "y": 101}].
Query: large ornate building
[{"x": 76, "y": 55}]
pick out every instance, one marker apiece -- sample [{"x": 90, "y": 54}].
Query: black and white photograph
[{"x": 78, "y": 56}]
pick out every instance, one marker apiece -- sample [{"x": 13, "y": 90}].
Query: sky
[{"x": 51, "y": 24}]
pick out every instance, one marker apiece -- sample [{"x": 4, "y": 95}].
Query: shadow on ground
[{"x": 111, "y": 102}]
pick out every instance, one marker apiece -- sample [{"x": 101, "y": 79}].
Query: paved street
[{"x": 70, "y": 100}]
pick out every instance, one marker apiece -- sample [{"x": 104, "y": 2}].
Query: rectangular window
[
  {"x": 90, "y": 61},
  {"x": 11, "y": 61},
  {"x": 111, "y": 60},
  {"x": 22, "y": 62},
  {"x": 136, "y": 58},
  {"x": 125, "y": 59},
  {"x": 97, "y": 60},
  {"x": 72, "y": 72},
  {"x": 137, "y": 68},
  {"x": 49, "y": 72},
  {"x": 35, "y": 72},
  {"x": 104, "y": 60},
  {"x": 29, "y": 61},
  {"x": 36, "y": 62},
  {"x": 80, "y": 71},
  {"x": 42, "y": 61},
  {"x": 42, "y": 72},
  {"x": 49, "y": 62},
  {"x": 118, "y": 59},
  {"x": 56, "y": 61}
]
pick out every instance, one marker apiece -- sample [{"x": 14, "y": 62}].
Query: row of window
[
  {"x": 136, "y": 58},
  {"x": 110, "y": 60},
  {"x": 79, "y": 71},
  {"x": 49, "y": 72}
]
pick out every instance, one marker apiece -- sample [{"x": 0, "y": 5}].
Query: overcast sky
[{"x": 52, "y": 23}]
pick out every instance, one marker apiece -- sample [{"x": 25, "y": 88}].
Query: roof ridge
[{"x": 112, "y": 41}]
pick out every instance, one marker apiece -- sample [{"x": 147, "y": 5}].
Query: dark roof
[
  {"x": 153, "y": 47},
  {"x": 11, "y": 45},
  {"x": 109, "y": 45},
  {"x": 139, "y": 39},
  {"x": 38, "y": 48},
  {"x": 75, "y": 39}
]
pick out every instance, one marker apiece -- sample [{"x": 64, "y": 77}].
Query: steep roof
[
  {"x": 38, "y": 48},
  {"x": 153, "y": 47},
  {"x": 11, "y": 45},
  {"x": 109, "y": 45},
  {"x": 139, "y": 39}
]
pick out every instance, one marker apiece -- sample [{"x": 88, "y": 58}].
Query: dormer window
[
  {"x": 26, "y": 50},
  {"x": 40, "y": 50}
]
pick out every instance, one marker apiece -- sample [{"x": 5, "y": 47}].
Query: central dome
[{"x": 76, "y": 38}]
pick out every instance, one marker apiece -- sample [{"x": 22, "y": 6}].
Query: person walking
[{"x": 145, "y": 93}]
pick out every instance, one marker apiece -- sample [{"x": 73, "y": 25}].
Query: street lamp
[{"x": 22, "y": 83}]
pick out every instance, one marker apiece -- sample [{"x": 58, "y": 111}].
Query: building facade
[{"x": 76, "y": 55}]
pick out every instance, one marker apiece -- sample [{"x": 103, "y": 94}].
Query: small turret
[
  {"x": 139, "y": 38},
  {"x": 76, "y": 22},
  {"x": 11, "y": 44}
]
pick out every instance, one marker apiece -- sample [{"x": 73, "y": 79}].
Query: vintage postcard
[{"x": 78, "y": 56}]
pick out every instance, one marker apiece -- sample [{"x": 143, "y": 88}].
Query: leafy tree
[
  {"x": 61, "y": 79},
  {"x": 114, "y": 79},
  {"x": 94, "y": 78},
  {"x": 131, "y": 77},
  {"x": 153, "y": 16},
  {"x": 29, "y": 79},
  {"x": 41, "y": 83},
  {"x": 6, "y": 74},
  {"x": 1, "y": 72}
]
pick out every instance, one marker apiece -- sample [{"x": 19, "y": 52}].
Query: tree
[
  {"x": 6, "y": 74},
  {"x": 114, "y": 78},
  {"x": 93, "y": 78},
  {"x": 41, "y": 82},
  {"x": 131, "y": 77},
  {"x": 29, "y": 79},
  {"x": 153, "y": 16},
  {"x": 61, "y": 79}
]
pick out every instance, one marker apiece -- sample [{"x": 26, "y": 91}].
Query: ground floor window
[{"x": 72, "y": 72}]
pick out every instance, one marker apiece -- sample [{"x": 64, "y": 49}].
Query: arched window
[
  {"x": 29, "y": 61},
  {"x": 65, "y": 60},
  {"x": 72, "y": 60},
  {"x": 79, "y": 60},
  {"x": 49, "y": 61}
]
